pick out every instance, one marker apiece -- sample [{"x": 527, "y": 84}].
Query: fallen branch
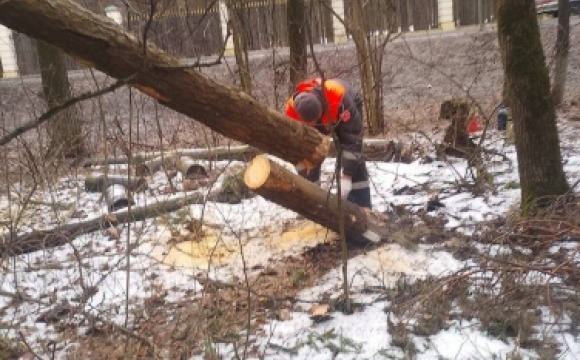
[{"x": 36, "y": 240}]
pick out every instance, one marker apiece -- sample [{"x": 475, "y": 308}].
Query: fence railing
[
  {"x": 465, "y": 12},
  {"x": 398, "y": 15}
]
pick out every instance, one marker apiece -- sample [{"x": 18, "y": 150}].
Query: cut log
[
  {"x": 291, "y": 191},
  {"x": 61, "y": 235},
  {"x": 99, "y": 182},
  {"x": 101, "y": 43},
  {"x": 116, "y": 197},
  {"x": 190, "y": 169}
]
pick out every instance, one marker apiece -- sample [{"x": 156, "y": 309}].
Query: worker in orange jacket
[{"x": 335, "y": 104}]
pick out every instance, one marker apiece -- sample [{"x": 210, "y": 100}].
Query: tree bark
[
  {"x": 61, "y": 235},
  {"x": 65, "y": 130},
  {"x": 103, "y": 45},
  {"x": 296, "y": 22},
  {"x": 562, "y": 50},
  {"x": 292, "y": 191},
  {"x": 528, "y": 92}
]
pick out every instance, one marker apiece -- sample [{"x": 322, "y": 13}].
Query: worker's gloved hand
[{"x": 345, "y": 185}]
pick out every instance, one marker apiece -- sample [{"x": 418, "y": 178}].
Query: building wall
[{"x": 7, "y": 53}]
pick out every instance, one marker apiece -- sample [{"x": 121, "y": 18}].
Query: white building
[{"x": 7, "y": 53}]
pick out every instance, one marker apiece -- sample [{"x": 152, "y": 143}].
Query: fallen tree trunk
[
  {"x": 104, "y": 45},
  {"x": 291, "y": 191},
  {"x": 99, "y": 182},
  {"x": 61, "y": 235},
  {"x": 242, "y": 152}
]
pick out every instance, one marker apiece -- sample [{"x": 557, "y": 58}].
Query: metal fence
[
  {"x": 265, "y": 22},
  {"x": 192, "y": 28},
  {"x": 186, "y": 33},
  {"x": 465, "y": 12},
  {"x": 397, "y": 15}
]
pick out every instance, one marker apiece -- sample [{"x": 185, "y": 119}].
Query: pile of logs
[{"x": 117, "y": 189}]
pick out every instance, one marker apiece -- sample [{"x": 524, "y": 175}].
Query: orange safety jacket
[
  {"x": 333, "y": 93},
  {"x": 344, "y": 114}
]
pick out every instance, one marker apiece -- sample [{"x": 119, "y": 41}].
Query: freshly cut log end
[
  {"x": 257, "y": 172},
  {"x": 117, "y": 197},
  {"x": 188, "y": 167}
]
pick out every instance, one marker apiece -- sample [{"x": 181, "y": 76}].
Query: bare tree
[
  {"x": 562, "y": 50},
  {"x": 238, "y": 27},
  {"x": 528, "y": 93},
  {"x": 370, "y": 50},
  {"x": 297, "y": 40},
  {"x": 66, "y": 135}
]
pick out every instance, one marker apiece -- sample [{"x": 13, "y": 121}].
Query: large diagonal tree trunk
[
  {"x": 528, "y": 93},
  {"x": 102, "y": 44}
]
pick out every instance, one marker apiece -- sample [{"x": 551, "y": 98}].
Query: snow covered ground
[{"x": 253, "y": 234}]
